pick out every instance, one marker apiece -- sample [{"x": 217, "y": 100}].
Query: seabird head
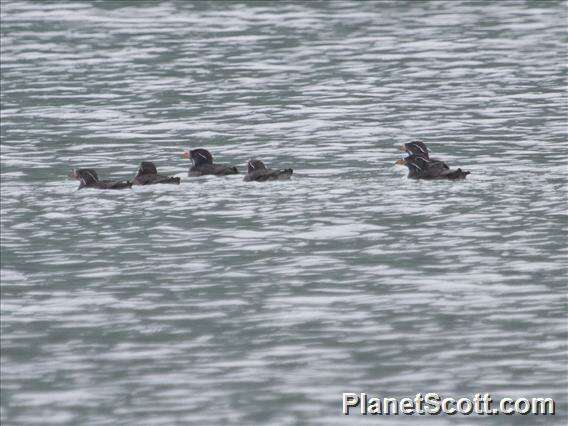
[
  {"x": 418, "y": 148},
  {"x": 147, "y": 168},
  {"x": 199, "y": 156},
  {"x": 253, "y": 165}
]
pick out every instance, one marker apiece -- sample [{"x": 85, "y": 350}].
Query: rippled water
[{"x": 220, "y": 301}]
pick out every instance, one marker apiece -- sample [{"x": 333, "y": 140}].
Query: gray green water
[{"x": 224, "y": 302}]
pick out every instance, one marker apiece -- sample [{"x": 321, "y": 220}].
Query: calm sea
[{"x": 224, "y": 302}]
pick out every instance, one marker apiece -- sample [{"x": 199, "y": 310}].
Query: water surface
[{"x": 224, "y": 302}]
